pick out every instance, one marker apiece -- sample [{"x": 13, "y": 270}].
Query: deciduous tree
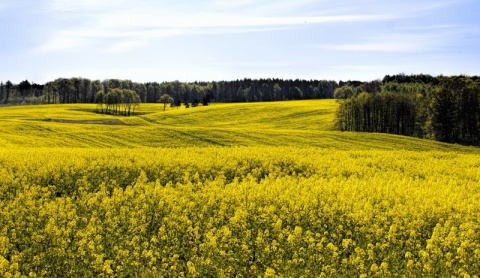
[{"x": 165, "y": 99}]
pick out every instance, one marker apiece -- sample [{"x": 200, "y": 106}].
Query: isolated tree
[{"x": 165, "y": 99}]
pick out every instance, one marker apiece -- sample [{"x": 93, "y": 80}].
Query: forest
[
  {"x": 83, "y": 90},
  {"x": 258, "y": 189},
  {"x": 444, "y": 108}
]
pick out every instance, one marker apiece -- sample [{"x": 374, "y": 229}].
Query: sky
[{"x": 213, "y": 40}]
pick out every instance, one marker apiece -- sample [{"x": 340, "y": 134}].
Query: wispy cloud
[
  {"x": 61, "y": 43},
  {"x": 251, "y": 36},
  {"x": 379, "y": 46},
  {"x": 423, "y": 39},
  {"x": 263, "y": 7},
  {"x": 224, "y": 20},
  {"x": 381, "y": 68},
  {"x": 141, "y": 24}
]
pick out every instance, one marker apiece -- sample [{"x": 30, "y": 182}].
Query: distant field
[
  {"x": 293, "y": 123},
  {"x": 230, "y": 190}
]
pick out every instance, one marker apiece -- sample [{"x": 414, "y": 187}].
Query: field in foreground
[{"x": 328, "y": 204}]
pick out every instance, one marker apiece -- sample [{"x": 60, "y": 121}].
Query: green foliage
[
  {"x": 448, "y": 111},
  {"x": 344, "y": 92},
  {"x": 83, "y": 90},
  {"x": 117, "y": 101},
  {"x": 165, "y": 99},
  {"x": 383, "y": 112}
]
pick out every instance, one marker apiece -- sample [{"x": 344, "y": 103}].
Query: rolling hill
[
  {"x": 293, "y": 123},
  {"x": 250, "y": 189}
]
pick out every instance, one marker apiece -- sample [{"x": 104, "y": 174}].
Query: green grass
[{"x": 291, "y": 123}]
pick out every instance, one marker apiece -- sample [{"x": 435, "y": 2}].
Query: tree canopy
[
  {"x": 443, "y": 108},
  {"x": 117, "y": 101},
  {"x": 165, "y": 99}
]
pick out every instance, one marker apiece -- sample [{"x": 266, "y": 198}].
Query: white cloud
[
  {"x": 136, "y": 26},
  {"x": 83, "y": 5},
  {"x": 380, "y": 68},
  {"x": 62, "y": 43},
  {"x": 351, "y": 32},
  {"x": 393, "y": 46},
  {"x": 426, "y": 39},
  {"x": 126, "y": 46},
  {"x": 209, "y": 20},
  {"x": 262, "y": 7}
]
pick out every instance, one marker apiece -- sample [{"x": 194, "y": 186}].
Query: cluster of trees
[
  {"x": 443, "y": 108},
  {"x": 117, "y": 101},
  {"x": 83, "y": 90}
]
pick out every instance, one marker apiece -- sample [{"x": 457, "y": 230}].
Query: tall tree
[
  {"x": 100, "y": 100},
  {"x": 65, "y": 90},
  {"x": 86, "y": 90},
  {"x": 2, "y": 91},
  {"x": 8, "y": 88},
  {"x": 76, "y": 83},
  {"x": 24, "y": 88},
  {"x": 444, "y": 114},
  {"x": 165, "y": 99},
  {"x": 96, "y": 86}
]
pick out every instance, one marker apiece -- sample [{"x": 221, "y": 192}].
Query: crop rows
[{"x": 244, "y": 211}]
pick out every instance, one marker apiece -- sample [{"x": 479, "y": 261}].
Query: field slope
[
  {"x": 230, "y": 190},
  {"x": 294, "y": 123}
]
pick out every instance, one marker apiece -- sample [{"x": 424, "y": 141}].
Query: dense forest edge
[
  {"x": 83, "y": 90},
  {"x": 444, "y": 108}
]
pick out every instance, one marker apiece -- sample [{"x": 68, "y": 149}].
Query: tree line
[
  {"x": 83, "y": 90},
  {"x": 442, "y": 108}
]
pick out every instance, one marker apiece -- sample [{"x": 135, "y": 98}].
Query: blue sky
[{"x": 156, "y": 40}]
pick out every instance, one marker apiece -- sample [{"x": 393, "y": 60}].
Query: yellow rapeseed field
[{"x": 231, "y": 190}]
